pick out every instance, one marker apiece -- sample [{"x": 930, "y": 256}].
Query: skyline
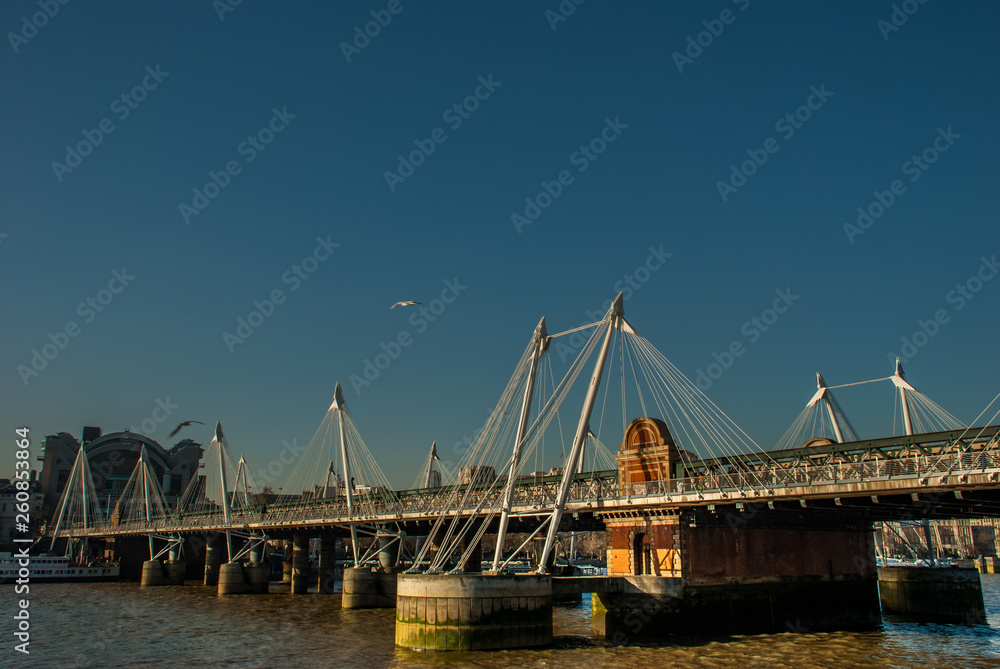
[{"x": 214, "y": 213}]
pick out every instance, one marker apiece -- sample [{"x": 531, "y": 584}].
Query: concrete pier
[
  {"x": 940, "y": 594},
  {"x": 257, "y": 578},
  {"x": 286, "y": 564},
  {"x": 213, "y": 558},
  {"x": 365, "y": 589},
  {"x": 300, "y": 564},
  {"x": 327, "y": 564},
  {"x": 152, "y": 574},
  {"x": 473, "y": 612},
  {"x": 473, "y": 564},
  {"x": 231, "y": 580},
  {"x": 388, "y": 553},
  {"x": 131, "y": 553},
  {"x": 174, "y": 571}
]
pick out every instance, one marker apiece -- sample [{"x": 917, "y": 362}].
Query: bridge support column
[
  {"x": 300, "y": 564},
  {"x": 388, "y": 553},
  {"x": 257, "y": 578},
  {"x": 131, "y": 553},
  {"x": 193, "y": 553},
  {"x": 286, "y": 564},
  {"x": 365, "y": 589},
  {"x": 153, "y": 574},
  {"x": 537, "y": 548},
  {"x": 231, "y": 579},
  {"x": 174, "y": 571},
  {"x": 213, "y": 558},
  {"x": 474, "y": 563},
  {"x": 327, "y": 564},
  {"x": 473, "y": 611},
  {"x": 738, "y": 570},
  {"x": 933, "y": 594}
]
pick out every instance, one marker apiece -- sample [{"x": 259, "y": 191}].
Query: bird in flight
[
  {"x": 408, "y": 303},
  {"x": 184, "y": 424}
]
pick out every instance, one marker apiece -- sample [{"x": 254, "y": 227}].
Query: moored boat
[{"x": 49, "y": 569}]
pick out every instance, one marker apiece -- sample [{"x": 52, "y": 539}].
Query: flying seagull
[
  {"x": 184, "y": 424},
  {"x": 408, "y": 303}
]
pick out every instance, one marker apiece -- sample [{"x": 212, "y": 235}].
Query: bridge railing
[
  {"x": 777, "y": 477},
  {"x": 539, "y": 494}
]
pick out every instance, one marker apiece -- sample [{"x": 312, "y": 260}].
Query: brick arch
[{"x": 647, "y": 452}]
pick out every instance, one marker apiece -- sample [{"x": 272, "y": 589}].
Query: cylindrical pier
[
  {"x": 388, "y": 551},
  {"x": 300, "y": 564},
  {"x": 327, "y": 564},
  {"x": 213, "y": 558},
  {"x": 365, "y": 589},
  {"x": 152, "y": 574},
  {"x": 473, "y": 563},
  {"x": 941, "y": 594},
  {"x": 173, "y": 571},
  {"x": 231, "y": 581},
  {"x": 473, "y": 611},
  {"x": 257, "y": 578},
  {"x": 286, "y": 564}
]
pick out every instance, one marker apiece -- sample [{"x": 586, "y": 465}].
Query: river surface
[{"x": 121, "y": 625}]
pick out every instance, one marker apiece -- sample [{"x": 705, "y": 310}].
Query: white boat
[{"x": 46, "y": 569}]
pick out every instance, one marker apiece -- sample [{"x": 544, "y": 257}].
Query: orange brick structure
[{"x": 737, "y": 568}]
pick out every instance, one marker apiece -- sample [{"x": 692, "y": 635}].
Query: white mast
[
  {"x": 431, "y": 457},
  {"x": 225, "y": 493},
  {"x": 616, "y": 320},
  {"x": 823, "y": 394},
  {"x": 899, "y": 380},
  {"x": 541, "y": 341},
  {"x": 340, "y": 406}
]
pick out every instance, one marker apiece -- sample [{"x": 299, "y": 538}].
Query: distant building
[
  {"x": 112, "y": 459},
  {"x": 476, "y": 474},
  {"x": 9, "y": 512}
]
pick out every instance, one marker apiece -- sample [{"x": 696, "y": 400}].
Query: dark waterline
[{"x": 121, "y": 625}]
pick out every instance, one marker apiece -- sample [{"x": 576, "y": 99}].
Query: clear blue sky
[{"x": 883, "y": 95}]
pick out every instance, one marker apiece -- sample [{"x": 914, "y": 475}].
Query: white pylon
[
  {"x": 616, "y": 320},
  {"x": 540, "y": 339},
  {"x": 899, "y": 380},
  {"x": 823, "y": 394}
]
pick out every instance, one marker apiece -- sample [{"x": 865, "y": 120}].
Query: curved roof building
[{"x": 112, "y": 459}]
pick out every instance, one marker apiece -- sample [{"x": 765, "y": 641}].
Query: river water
[{"x": 122, "y": 625}]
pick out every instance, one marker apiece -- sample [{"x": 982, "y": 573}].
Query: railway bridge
[{"x": 706, "y": 530}]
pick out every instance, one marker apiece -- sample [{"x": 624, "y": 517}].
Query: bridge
[{"x": 688, "y": 499}]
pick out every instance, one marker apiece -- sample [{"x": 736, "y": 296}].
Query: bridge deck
[{"x": 951, "y": 473}]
